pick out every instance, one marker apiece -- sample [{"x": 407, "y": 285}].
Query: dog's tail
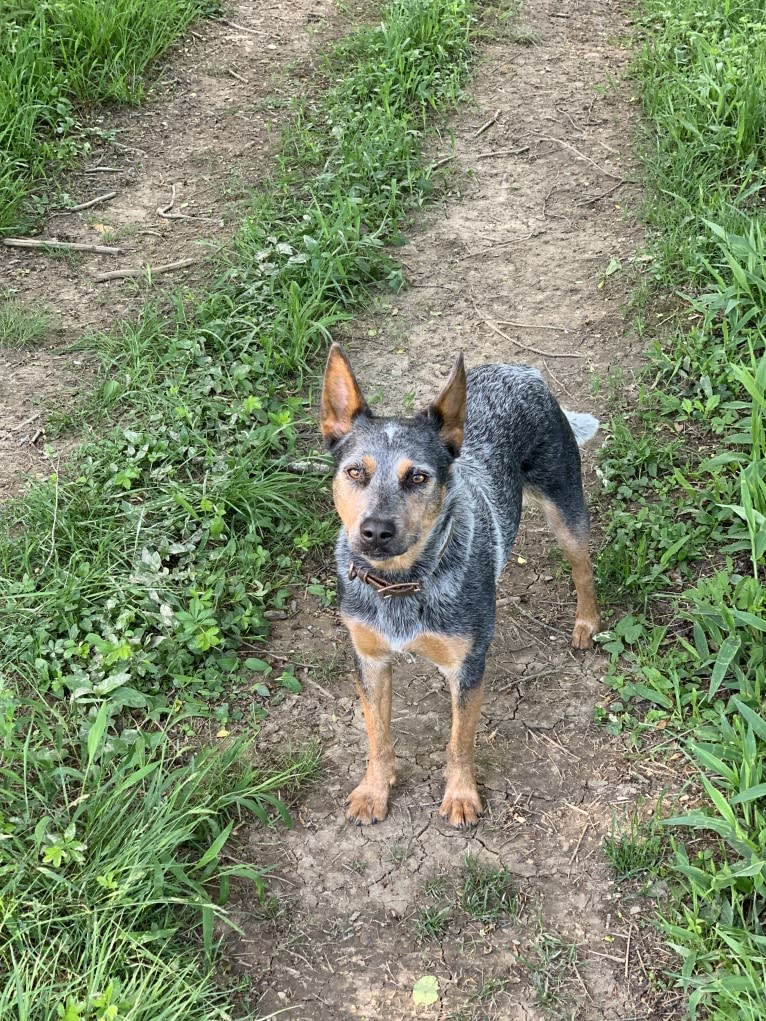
[{"x": 584, "y": 426}]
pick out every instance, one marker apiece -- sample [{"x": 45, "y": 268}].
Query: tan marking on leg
[
  {"x": 368, "y": 802},
  {"x": 462, "y": 805},
  {"x": 575, "y": 549},
  {"x": 446, "y": 651}
]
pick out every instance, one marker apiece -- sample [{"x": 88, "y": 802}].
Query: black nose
[{"x": 377, "y": 533}]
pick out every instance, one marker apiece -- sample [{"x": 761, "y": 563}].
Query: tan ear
[
  {"x": 342, "y": 399},
  {"x": 447, "y": 412}
]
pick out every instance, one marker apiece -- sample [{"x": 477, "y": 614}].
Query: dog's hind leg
[
  {"x": 552, "y": 477},
  {"x": 572, "y": 536}
]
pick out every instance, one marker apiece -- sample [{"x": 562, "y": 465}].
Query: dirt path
[{"x": 528, "y": 238}]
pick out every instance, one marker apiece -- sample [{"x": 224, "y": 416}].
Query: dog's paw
[
  {"x": 461, "y": 808},
  {"x": 367, "y": 804},
  {"x": 584, "y": 630}
]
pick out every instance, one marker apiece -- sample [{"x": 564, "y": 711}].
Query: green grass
[
  {"x": 22, "y": 327},
  {"x": 686, "y": 491},
  {"x": 487, "y": 893},
  {"x": 132, "y": 576},
  {"x": 56, "y": 57},
  {"x": 110, "y": 859}
]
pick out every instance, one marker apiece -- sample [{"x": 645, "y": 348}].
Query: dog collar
[
  {"x": 382, "y": 587},
  {"x": 387, "y": 589}
]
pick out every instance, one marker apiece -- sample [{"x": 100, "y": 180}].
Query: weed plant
[
  {"x": 686, "y": 484},
  {"x": 131, "y": 575}
]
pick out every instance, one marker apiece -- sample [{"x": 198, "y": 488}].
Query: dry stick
[
  {"x": 627, "y": 951},
  {"x": 27, "y": 421},
  {"x": 443, "y": 160},
  {"x": 577, "y": 846},
  {"x": 502, "y": 152},
  {"x": 120, "y": 274},
  {"x": 532, "y": 326},
  {"x": 164, "y": 211},
  {"x": 235, "y": 74},
  {"x": 536, "y": 351},
  {"x": 240, "y": 28},
  {"x": 487, "y": 126},
  {"x": 71, "y": 246},
  {"x": 501, "y": 244},
  {"x": 560, "y": 141},
  {"x": 102, "y": 170},
  {"x": 603, "y": 194},
  {"x": 93, "y": 202}
]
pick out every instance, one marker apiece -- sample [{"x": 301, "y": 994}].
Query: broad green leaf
[
  {"x": 756, "y": 722},
  {"x": 426, "y": 990},
  {"x": 726, "y": 654},
  {"x": 751, "y": 794}
]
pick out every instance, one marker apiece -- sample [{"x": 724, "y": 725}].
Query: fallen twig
[
  {"x": 443, "y": 160},
  {"x": 72, "y": 246},
  {"x": 309, "y": 466},
  {"x": 26, "y": 422},
  {"x": 603, "y": 194},
  {"x": 240, "y": 28},
  {"x": 502, "y": 152},
  {"x": 534, "y": 350},
  {"x": 487, "y": 126},
  {"x": 102, "y": 170},
  {"x": 145, "y": 270},
  {"x": 91, "y": 202},
  {"x": 531, "y": 326},
  {"x": 501, "y": 244},
  {"x": 567, "y": 145},
  {"x": 164, "y": 211},
  {"x": 627, "y": 951}
]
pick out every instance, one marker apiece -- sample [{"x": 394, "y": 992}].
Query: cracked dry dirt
[{"x": 511, "y": 267}]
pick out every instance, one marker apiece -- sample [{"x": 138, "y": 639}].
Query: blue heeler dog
[{"x": 430, "y": 506}]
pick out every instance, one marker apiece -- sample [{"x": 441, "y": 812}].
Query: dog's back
[{"x": 518, "y": 438}]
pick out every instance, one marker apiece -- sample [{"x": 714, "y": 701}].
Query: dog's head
[{"x": 391, "y": 473}]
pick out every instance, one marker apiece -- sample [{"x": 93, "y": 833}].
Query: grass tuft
[
  {"x": 22, "y": 327},
  {"x": 55, "y": 57},
  {"x": 487, "y": 893}
]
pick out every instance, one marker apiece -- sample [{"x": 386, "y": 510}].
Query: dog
[{"x": 430, "y": 506}]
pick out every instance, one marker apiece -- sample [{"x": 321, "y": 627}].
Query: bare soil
[{"x": 524, "y": 260}]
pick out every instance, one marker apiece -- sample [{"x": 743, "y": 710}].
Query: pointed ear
[
  {"x": 342, "y": 399},
  {"x": 447, "y": 412}
]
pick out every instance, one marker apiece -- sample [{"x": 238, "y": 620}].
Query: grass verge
[
  {"x": 686, "y": 481},
  {"x": 55, "y": 57},
  {"x": 132, "y": 576}
]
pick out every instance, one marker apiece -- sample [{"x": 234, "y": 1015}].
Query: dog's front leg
[
  {"x": 368, "y": 803},
  {"x": 462, "y": 805}
]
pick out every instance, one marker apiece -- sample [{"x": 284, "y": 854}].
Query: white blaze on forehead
[{"x": 391, "y": 430}]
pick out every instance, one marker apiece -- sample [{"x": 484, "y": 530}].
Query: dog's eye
[
  {"x": 418, "y": 478},
  {"x": 355, "y": 472}
]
